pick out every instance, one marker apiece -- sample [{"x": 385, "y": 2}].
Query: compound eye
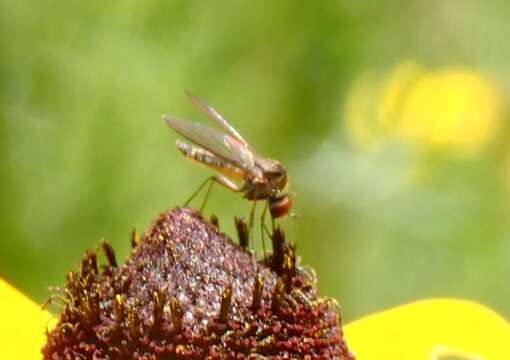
[{"x": 279, "y": 179}]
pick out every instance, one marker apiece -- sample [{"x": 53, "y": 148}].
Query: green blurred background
[{"x": 391, "y": 119}]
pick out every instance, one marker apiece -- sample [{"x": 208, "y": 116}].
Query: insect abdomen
[
  {"x": 198, "y": 154},
  {"x": 208, "y": 158}
]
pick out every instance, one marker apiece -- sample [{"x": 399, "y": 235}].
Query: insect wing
[
  {"x": 214, "y": 116},
  {"x": 210, "y": 139},
  {"x": 242, "y": 152}
]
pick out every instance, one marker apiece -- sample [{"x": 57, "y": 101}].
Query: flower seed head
[{"x": 188, "y": 292}]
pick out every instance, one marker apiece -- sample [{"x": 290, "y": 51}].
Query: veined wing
[
  {"x": 214, "y": 116},
  {"x": 211, "y": 139}
]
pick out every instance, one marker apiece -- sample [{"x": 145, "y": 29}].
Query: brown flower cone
[{"x": 189, "y": 292}]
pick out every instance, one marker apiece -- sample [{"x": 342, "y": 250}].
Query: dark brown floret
[
  {"x": 109, "y": 253},
  {"x": 188, "y": 292},
  {"x": 242, "y": 232},
  {"x": 215, "y": 221}
]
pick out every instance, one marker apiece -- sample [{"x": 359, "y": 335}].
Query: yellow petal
[
  {"x": 22, "y": 325},
  {"x": 431, "y": 329}
]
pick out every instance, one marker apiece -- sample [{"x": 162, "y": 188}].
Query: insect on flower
[{"x": 233, "y": 158}]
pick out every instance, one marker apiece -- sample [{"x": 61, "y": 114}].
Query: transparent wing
[
  {"x": 214, "y": 116},
  {"x": 211, "y": 139}
]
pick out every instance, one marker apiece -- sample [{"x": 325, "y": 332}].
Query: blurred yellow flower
[
  {"x": 450, "y": 108},
  {"x": 430, "y": 330},
  {"x": 438, "y": 329}
]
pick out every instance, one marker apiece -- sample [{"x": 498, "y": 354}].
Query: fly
[{"x": 230, "y": 155}]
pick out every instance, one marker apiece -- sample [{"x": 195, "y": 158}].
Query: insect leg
[
  {"x": 197, "y": 191},
  {"x": 252, "y": 216},
  {"x": 263, "y": 227},
  {"x": 211, "y": 183},
  {"x": 222, "y": 180}
]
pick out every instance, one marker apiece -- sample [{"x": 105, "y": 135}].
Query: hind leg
[{"x": 220, "y": 179}]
